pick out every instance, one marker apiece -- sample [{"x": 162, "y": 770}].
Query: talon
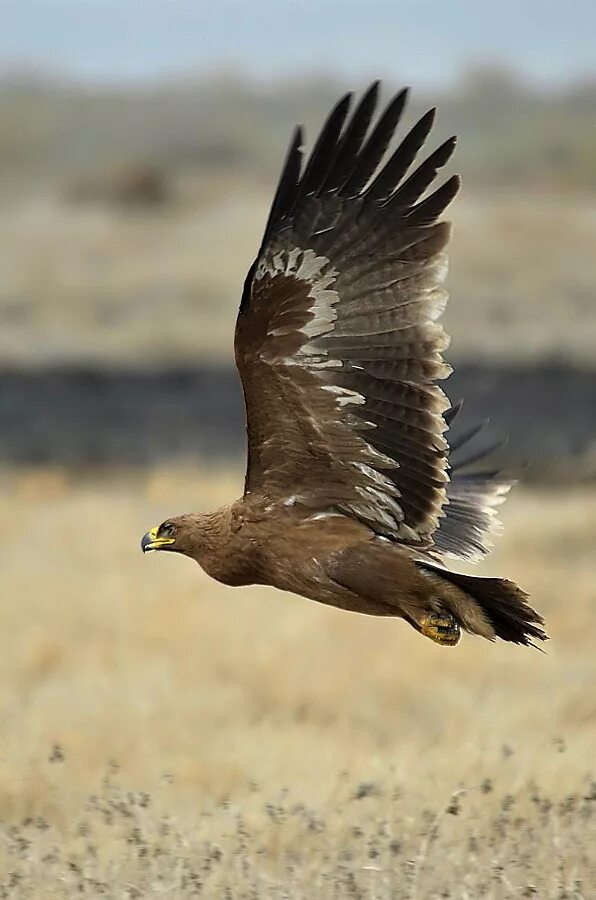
[{"x": 441, "y": 628}]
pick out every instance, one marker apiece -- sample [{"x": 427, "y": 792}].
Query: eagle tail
[{"x": 491, "y": 607}]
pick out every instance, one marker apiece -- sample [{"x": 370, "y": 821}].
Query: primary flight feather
[{"x": 353, "y": 496}]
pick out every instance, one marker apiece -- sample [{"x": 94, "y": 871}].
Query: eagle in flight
[{"x": 353, "y": 496}]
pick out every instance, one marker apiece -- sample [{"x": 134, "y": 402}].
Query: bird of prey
[{"x": 352, "y": 494}]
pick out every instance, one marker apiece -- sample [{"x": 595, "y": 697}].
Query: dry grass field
[{"x": 162, "y": 736}]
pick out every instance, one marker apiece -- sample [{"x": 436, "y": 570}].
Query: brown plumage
[{"x": 352, "y": 495}]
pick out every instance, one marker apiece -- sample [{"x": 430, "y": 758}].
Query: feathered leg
[{"x": 436, "y": 602}]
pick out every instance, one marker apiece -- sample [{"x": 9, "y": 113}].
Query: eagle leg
[
  {"x": 386, "y": 582},
  {"x": 442, "y": 628}
]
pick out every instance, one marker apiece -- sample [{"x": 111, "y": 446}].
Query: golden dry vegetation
[{"x": 164, "y": 736}]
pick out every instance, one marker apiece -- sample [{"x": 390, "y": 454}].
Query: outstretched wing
[{"x": 337, "y": 340}]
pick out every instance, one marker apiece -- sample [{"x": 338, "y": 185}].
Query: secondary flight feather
[{"x": 353, "y": 496}]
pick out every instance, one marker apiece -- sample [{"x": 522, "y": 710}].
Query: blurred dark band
[{"x": 87, "y": 417}]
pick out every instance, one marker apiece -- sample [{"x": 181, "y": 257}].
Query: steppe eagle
[{"x": 352, "y": 495}]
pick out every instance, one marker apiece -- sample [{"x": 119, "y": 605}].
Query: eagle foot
[{"x": 441, "y": 628}]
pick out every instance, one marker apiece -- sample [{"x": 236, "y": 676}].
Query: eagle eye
[{"x": 166, "y": 530}]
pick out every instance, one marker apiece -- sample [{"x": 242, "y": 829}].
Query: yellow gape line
[{"x": 152, "y": 542}]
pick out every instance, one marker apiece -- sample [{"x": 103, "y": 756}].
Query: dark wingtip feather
[
  {"x": 468, "y": 434},
  {"x": 443, "y": 154},
  {"x": 288, "y": 180},
  {"x": 429, "y": 209},
  {"x": 350, "y": 143},
  {"x": 325, "y": 149},
  {"x": 451, "y": 414},
  {"x": 344, "y": 160},
  {"x": 376, "y": 145},
  {"x": 398, "y": 164},
  {"x": 414, "y": 186}
]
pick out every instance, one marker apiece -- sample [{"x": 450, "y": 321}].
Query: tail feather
[{"x": 503, "y": 605}]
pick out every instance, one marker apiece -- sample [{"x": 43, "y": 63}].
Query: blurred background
[{"x": 140, "y": 142}]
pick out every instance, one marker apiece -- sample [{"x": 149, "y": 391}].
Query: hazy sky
[{"x": 421, "y": 41}]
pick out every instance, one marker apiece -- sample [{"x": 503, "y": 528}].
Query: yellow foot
[{"x": 442, "y": 628}]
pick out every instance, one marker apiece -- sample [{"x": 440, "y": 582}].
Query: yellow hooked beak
[{"x": 151, "y": 541}]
